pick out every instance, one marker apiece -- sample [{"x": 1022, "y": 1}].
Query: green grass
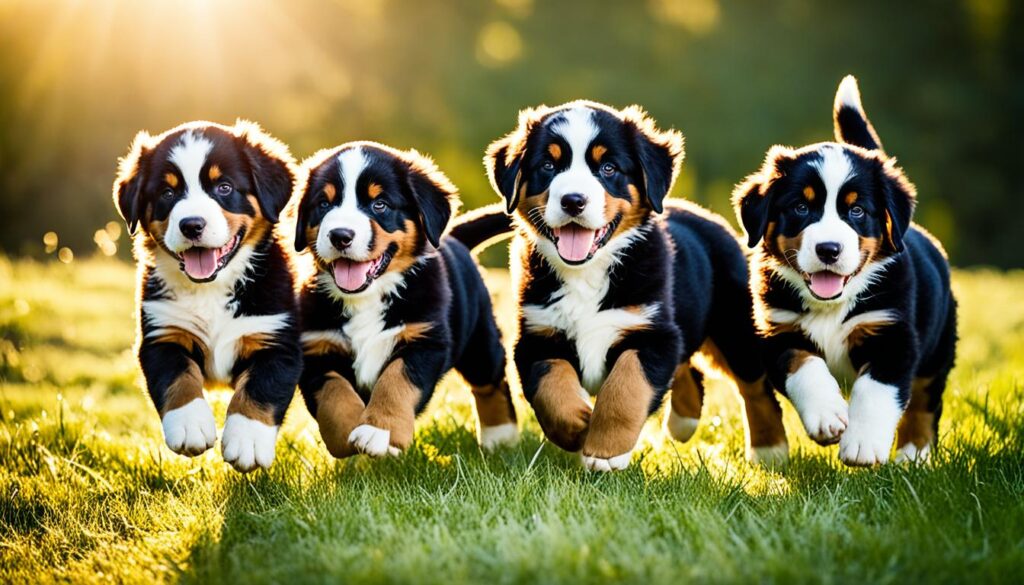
[{"x": 88, "y": 491}]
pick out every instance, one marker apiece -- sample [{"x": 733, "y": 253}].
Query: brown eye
[
  {"x": 802, "y": 209},
  {"x": 608, "y": 169},
  {"x": 167, "y": 193},
  {"x": 856, "y": 212},
  {"x": 223, "y": 189},
  {"x": 379, "y": 206},
  {"x": 548, "y": 166}
]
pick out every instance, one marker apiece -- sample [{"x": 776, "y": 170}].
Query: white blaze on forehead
[
  {"x": 346, "y": 213},
  {"x": 835, "y": 169},
  {"x": 578, "y": 129},
  {"x": 190, "y": 155}
]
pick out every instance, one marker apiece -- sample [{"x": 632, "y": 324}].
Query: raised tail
[
  {"x": 851, "y": 123},
  {"x": 482, "y": 227}
]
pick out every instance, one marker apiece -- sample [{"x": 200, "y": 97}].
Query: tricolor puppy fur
[
  {"x": 216, "y": 288},
  {"x": 848, "y": 291},
  {"x": 616, "y": 299},
  {"x": 394, "y": 304}
]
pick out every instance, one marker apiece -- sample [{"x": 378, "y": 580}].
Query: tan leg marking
[
  {"x": 562, "y": 412},
  {"x": 687, "y": 398},
  {"x": 241, "y": 403},
  {"x": 763, "y": 413},
  {"x": 494, "y": 404},
  {"x": 338, "y": 408},
  {"x": 392, "y": 405},
  {"x": 621, "y": 409},
  {"x": 186, "y": 387},
  {"x": 918, "y": 424}
]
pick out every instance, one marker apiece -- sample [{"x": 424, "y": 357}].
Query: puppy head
[
  {"x": 581, "y": 175},
  {"x": 825, "y": 213},
  {"x": 202, "y": 191},
  {"x": 368, "y": 210}
]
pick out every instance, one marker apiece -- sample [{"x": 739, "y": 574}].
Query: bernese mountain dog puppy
[
  {"x": 216, "y": 292},
  {"x": 848, "y": 291},
  {"x": 617, "y": 299},
  {"x": 393, "y": 305}
]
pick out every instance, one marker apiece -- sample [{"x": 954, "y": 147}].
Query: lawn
[{"x": 89, "y": 492}]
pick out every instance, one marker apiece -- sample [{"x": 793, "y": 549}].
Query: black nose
[
  {"x": 192, "y": 227},
  {"x": 828, "y": 251},
  {"x": 573, "y": 203},
  {"x": 341, "y": 238}
]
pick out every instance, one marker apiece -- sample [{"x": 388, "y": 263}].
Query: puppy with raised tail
[
  {"x": 848, "y": 292},
  {"x": 216, "y": 292},
  {"x": 394, "y": 303}
]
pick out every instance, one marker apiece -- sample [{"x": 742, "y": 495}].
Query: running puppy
[
  {"x": 615, "y": 300},
  {"x": 394, "y": 305},
  {"x": 848, "y": 290},
  {"x": 216, "y": 288}
]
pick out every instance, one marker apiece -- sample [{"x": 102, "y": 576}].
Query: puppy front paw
[
  {"x": 499, "y": 436},
  {"x": 372, "y": 441},
  {"x": 191, "y": 429},
  {"x": 615, "y": 463},
  {"x": 247, "y": 444},
  {"x": 826, "y": 418},
  {"x": 863, "y": 446}
]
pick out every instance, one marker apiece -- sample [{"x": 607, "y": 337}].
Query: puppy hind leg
[{"x": 683, "y": 413}]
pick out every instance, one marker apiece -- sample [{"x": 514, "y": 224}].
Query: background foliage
[{"x": 941, "y": 80}]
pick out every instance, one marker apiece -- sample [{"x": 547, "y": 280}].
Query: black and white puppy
[
  {"x": 615, "y": 300},
  {"x": 216, "y": 288},
  {"x": 848, "y": 291},
  {"x": 393, "y": 305}
]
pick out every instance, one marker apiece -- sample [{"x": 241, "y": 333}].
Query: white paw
[
  {"x": 681, "y": 428},
  {"x": 372, "y": 441},
  {"x": 874, "y": 414},
  {"x": 909, "y": 453},
  {"x": 816, "y": 397},
  {"x": 863, "y": 446},
  {"x": 248, "y": 443},
  {"x": 191, "y": 429},
  {"x": 499, "y": 436},
  {"x": 616, "y": 463},
  {"x": 770, "y": 456}
]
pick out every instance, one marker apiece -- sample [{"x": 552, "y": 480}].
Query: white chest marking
[
  {"x": 372, "y": 344},
  {"x": 575, "y": 312},
  {"x": 207, "y": 312},
  {"x": 829, "y": 329}
]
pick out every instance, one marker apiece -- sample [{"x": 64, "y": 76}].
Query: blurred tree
[{"x": 942, "y": 81}]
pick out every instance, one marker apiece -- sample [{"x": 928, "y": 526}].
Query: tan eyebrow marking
[
  {"x": 330, "y": 192},
  {"x": 851, "y": 198},
  {"x": 374, "y": 190},
  {"x": 598, "y": 151},
  {"x": 555, "y": 151},
  {"x": 809, "y": 193},
  {"x": 214, "y": 172},
  {"x": 171, "y": 179}
]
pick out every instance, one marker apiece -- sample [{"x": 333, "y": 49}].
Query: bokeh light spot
[{"x": 499, "y": 44}]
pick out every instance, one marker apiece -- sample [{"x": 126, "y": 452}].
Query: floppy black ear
[
  {"x": 900, "y": 197},
  {"x": 504, "y": 168},
  {"x": 435, "y": 196},
  {"x": 272, "y": 168},
  {"x": 660, "y": 153},
  {"x": 752, "y": 198},
  {"x": 302, "y": 216},
  {"x": 128, "y": 184}
]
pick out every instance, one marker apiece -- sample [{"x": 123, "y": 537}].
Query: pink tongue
[
  {"x": 200, "y": 263},
  {"x": 350, "y": 275},
  {"x": 574, "y": 242},
  {"x": 826, "y": 284}
]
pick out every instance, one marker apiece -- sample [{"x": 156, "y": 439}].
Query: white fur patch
[
  {"x": 874, "y": 414},
  {"x": 207, "y": 311},
  {"x": 577, "y": 127},
  {"x": 909, "y": 453},
  {"x": 770, "y": 456},
  {"x": 190, "y": 429},
  {"x": 372, "y": 441},
  {"x": 371, "y": 343},
  {"x": 848, "y": 94},
  {"x": 681, "y": 428},
  {"x": 189, "y": 155},
  {"x": 616, "y": 463},
  {"x": 248, "y": 443},
  {"x": 815, "y": 395},
  {"x": 351, "y": 161},
  {"x": 835, "y": 170},
  {"x": 498, "y": 436}
]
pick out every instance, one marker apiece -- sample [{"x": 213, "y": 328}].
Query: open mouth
[
  {"x": 825, "y": 285},
  {"x": 352, "y": 276},
  {"x": 202, "y": 264},
  {"x": 577, "y": 244}
]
